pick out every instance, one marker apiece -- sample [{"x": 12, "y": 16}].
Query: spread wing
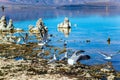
[
  {"x": 115, "y": 53},
  {"x": 104, "y": 54}
]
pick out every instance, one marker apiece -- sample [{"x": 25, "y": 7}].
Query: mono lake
[{"x": 90, "y": 29}]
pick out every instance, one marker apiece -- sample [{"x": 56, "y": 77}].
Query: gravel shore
[{"x": 33, "y": 68}]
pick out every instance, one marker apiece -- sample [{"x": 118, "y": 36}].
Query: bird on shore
[
  {"x": 41, "y": 54},
  {"x": 52, "y": 60},
  {"x": 76, "y": 56},
  {"x": 44, "y": 41},
  {"x": 11, "y": 40},
  {"x": 25, "y": 38},
  {"x": 18, "y": 41},
  {"x": 65, "y": 43},
  {"x": 108, "y": 56},
  {"x": 65, "y": 57},
  {"x": 41, "y": 43}
]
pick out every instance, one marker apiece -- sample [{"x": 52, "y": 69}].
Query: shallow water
[{"x": 95, "y": 25}]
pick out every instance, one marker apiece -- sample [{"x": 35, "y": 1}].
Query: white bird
[
  {"x": 11, "y": 40},
  {"x": 41, "y": 53},
  {"x": 65, "y": 56},
  {"x": 53, "y": 60},
  {"x": 65, "y": 43},
  {"x": 75, "y": 57},
  {"x": 5, "y": 38},
  {"x": 25, "y": 38},
  {"x": 41, "y": 43},
  {"x": 18, "y": 41},
  {"x": 108, "y": 56}
]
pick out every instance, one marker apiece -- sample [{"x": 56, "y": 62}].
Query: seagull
[
  {"x": 5, "y": 38},
  {"x": 75, "y": 57},
  {"x": 41, "y": 43},
  {"x": 108, "y": 40},
  {"x": 41, "y": 53},
  {"x": 65, "y": 56},
  {"x": 11, "y": 40},
  {"x": 18, "y": 40},
  {"x": 52, "y": 60},
  {"x": 65, "y": 43},
  {"x": 25, "y": 38},
  {"x": 44, "y": 40},
  {"x": 108, "y": 56}
]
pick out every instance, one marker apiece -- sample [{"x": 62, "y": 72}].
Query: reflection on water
[
  {"x": 65, "y": 31},
  {"x": 26, "y": 13}
]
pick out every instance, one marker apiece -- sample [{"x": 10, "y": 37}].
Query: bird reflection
[{"x": 65, "y": 31}]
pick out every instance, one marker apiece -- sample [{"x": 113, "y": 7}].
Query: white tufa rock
[
  {"x": 65, "y": 24},
  {"x": 4, "y": 26},
  {"x": 3, "y": 23},
  {"x": 10, "y": 25}
]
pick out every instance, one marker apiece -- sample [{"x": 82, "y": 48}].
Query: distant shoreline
[{"x": 85, "y": 5}]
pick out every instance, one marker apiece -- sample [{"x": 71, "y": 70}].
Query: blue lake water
[{"x": 96, "y": 25}]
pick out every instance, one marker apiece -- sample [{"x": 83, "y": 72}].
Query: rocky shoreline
[
  {"x": 32, "y": 68},
  {"x": 25, "y": 61},
  {"x": 39, "y": 70}
]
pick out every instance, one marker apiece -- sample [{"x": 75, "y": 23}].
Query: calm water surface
[{"x": 95, "y": 25}]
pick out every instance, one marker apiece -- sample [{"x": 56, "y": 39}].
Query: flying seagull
[
  {"x": 108, "y": 56},
  {"x": 75, "y": 57}
]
